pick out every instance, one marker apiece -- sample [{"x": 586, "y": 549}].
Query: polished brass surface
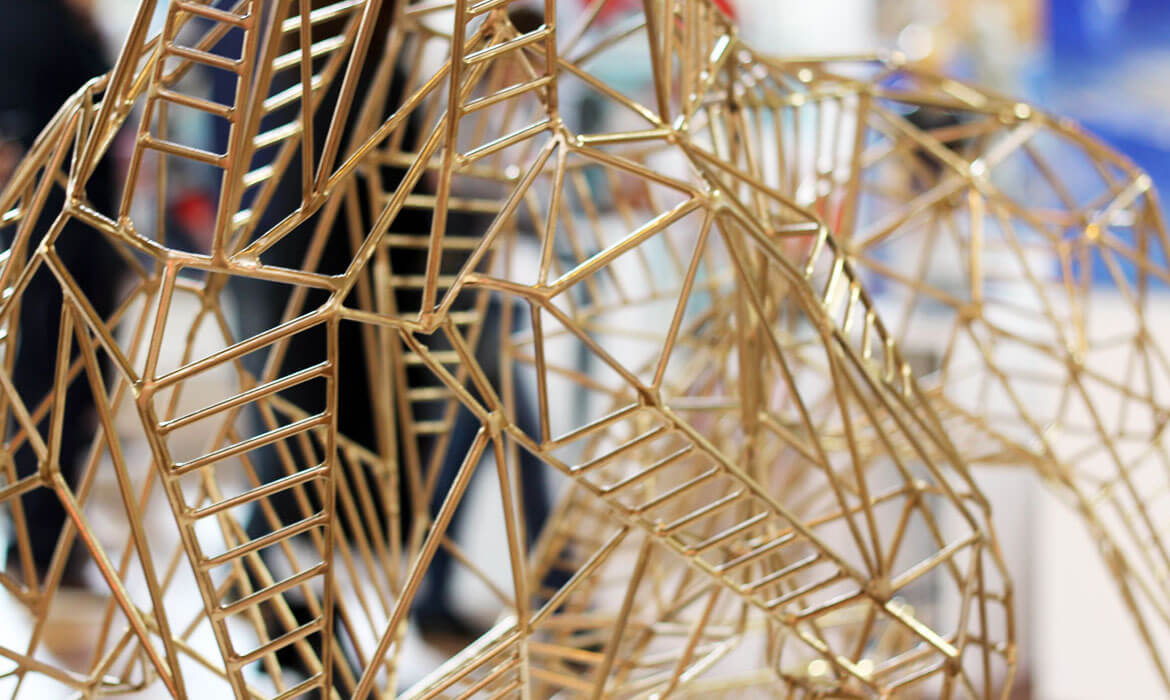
[
  {"x": 1027, "y": 264},
  {"x": 759, "y": 493}
]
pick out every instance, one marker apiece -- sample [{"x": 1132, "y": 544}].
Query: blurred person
[
  {"x": 49, "y": 49},
  {"x": 261, "y": 305}
]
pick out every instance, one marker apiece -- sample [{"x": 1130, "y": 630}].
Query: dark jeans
[{"x": 434, "y": 599}]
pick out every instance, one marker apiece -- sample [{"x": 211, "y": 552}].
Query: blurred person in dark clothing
[
  {"x": 48, "y": 50},
  {"x": 261, "y": 306}
]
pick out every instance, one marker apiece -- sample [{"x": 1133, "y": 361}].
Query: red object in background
[
  {"x": 614, "y": 7},
  {"x": 727, "y": 7},
  {"x": 194, "y": 211}
]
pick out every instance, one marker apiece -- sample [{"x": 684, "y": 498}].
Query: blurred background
[{"x": 1104, "y": 63}]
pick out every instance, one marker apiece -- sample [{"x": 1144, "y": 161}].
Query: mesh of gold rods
[{"x": 759, "y": 493}]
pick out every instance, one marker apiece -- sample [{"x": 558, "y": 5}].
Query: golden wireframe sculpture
[
  {"x": 755, "y": 469},
  {"x": 1026, "y": 264}
]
